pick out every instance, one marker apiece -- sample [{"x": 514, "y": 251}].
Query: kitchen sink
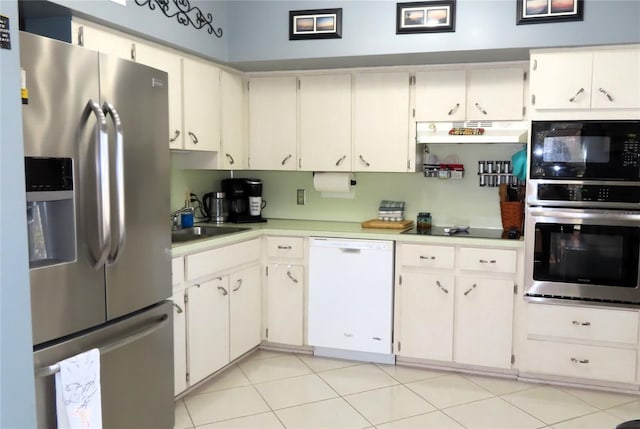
[{"x": 201, "y": 232}]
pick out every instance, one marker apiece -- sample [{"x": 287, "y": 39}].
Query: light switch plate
[{"x": 302, "y": 197}]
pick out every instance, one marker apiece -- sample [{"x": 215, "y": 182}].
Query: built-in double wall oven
[{"x": 582, "y": 226}]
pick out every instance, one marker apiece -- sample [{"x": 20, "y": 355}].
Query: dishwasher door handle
[{"x": 349, "y": 250}]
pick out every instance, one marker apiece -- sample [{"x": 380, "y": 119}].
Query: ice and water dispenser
[{"x": 50, "y": 211}]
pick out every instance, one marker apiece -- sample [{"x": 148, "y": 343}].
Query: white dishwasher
[{"x": 351, "y": 298}]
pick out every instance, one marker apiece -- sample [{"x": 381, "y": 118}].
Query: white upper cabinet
[
  {"x": 482, "y": 94},
  {"x": 272, "y": 123},
  {"x": 381, "y": 122},
  {"x": 233, "y": 154},
  {"x": 325, "y": 122},
  {"x": 201, "y": 90},
  {"x": 586, "y": 79},
  {"x": 171, "y": 63},
  {"x": 102, "y": 40},
  {"x": 441, "y": 95}
]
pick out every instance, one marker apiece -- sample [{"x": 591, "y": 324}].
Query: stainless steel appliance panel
[
  {"x": 53, "y": 126},
  {"x": 139, "y": 261},
  {"x": 136, "y": 378}
]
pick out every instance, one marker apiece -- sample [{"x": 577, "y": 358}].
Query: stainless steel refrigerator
[{"x": 97, "y": 174}]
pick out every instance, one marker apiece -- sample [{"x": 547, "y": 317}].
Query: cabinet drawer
[
  {"x": 426, "y": 256},
  {"x": 490, "y": 260},
  {"x": 574, "y": 360},
  {"x": 593, "y": 324},
  {"x": 285, "y": 247},
  {"x": 177, "y": 273},
  {"x": 222, "y": 258}
]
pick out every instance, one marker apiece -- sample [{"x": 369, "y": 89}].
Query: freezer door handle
[
  {"x": 117, "y": 245},
  {"x": 114, "y": 345},
  {"x": 103, "y": 209}
]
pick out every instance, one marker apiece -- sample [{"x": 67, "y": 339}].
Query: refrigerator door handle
[
  {"x": 157, "y": 324},
  {"x": 116, "y": 250},
  {"x": 103, "y": 209}
]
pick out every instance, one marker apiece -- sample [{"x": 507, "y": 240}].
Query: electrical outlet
[{"x": 302, "y": 197}]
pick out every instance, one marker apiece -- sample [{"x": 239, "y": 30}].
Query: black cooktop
[{"x": 470, "y": 233}]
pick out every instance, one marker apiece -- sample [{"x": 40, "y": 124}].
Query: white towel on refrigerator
[{"x": 78, "y": 400}]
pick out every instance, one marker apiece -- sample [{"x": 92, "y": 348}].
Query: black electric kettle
[{"x": 215, "y": 206}]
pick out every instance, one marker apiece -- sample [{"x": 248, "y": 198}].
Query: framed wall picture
[
  {"x": 426, "y": 17},
  {"x": 315, "y": 24},
  {"x": 538, "y": 11}
]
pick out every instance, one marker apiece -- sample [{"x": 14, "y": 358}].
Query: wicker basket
[{"x": 512, "y": 214}]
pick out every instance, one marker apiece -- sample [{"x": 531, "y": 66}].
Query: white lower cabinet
[
  {"x": 285, "y": 304},
  {"x": 589, "y": 343},
  {"x": 455, "y": 304},
  {"x": 218, "y": 316},
  {"x": 285, "y": 284}
]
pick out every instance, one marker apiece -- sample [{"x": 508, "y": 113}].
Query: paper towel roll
[{"x": 336, "y": 185}]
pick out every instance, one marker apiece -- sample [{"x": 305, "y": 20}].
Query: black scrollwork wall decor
[{"x": 184, "y": 13}]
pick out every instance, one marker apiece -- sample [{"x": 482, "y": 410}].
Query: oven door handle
[{"x": 607, "y": 216}]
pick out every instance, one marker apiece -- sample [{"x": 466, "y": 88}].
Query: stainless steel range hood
[{"x": 494, "y": 132}]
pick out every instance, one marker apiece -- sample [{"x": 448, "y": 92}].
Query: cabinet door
[
  {"x": 325, "y": 123},
  {"x": 381, "y": 122},
  {"x": 201, "y": 101},
  {"x": 285, "y": 304},
  {"x": 179, "y": 342},
  {"x": 208, "y": 327},
  {"x": 483, "y": 322},
  {"x": 424, "y": 322},
  {"x": 616, "y": 73},
  {"x": 441, "y": 95},
  {"x": 272, "y": 123},
  {"x": 561, "y": 80},
  {"x": 245, "y": 315},
  {"x": 101, "y": 40},
  {"x": 233, "y": 155},
  {"x": 171, "y": 63},
  {"x": 495, "y": 94}
]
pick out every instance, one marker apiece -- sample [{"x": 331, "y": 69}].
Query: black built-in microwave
[{"x": 585, "y": 150}]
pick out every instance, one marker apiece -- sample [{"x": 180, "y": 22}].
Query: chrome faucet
[{"x": 174, "y": 216}]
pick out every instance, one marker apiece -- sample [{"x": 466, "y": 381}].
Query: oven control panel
[
  {"x": 588, "y": 193},
  {"x": 631, "y": 153}
]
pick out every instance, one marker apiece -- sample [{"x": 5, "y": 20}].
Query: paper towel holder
[{"x": 353, "y": 182}]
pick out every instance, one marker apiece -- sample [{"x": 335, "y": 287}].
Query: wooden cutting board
[{"x": 387, "y": 224}]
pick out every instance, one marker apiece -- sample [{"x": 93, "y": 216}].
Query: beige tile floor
[{"x": 277, "y": 390}]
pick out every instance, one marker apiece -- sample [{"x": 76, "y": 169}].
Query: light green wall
[{"x": 460, "y": 202}]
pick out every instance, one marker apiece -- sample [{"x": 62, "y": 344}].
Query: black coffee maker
[{"x": 245, "y": 200}]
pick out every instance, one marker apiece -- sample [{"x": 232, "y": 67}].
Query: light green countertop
[{"x": 313, "y": 228}]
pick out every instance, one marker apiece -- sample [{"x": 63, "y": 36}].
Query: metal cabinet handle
[
  {"x": 428, "y": 257},
  {"x": 577, "y": 323},
  {"x": 348, "y": 334},
  {"x": 81, "y": 36},
  {"x": 286, "y": 158},
  {"x": 603, "y": 91},
  {"x": 293, "y": 279},
  {"x": 364, "y": 161},
  {"x": 193, "y": 137},
  {"x": 230, "y": 158},
  {"x": 480, "y": 108},
  {"x": 176, "y": 134},
  {"x": 284, "y": 247},
  {"x": 376, "y": 338},
  {"x": 239, "y": 282},
  {"x": 484, "y": 261},
  {"x": 572, "y": 99},
  {"x": 133, "y": 52},
  {"x": 223, "y": 290},
  {"x": 445, "y": 290},
  {"x": 454, "y": 109},
  {"x": 178, "y": 308},
  {"x": 103, "y": 209},
  {"x": 116, "y": 251},
  {"x": 470, "y": 289},
  {"x": 338, "y": 162},
  {"x": 575, "y": 360}
]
